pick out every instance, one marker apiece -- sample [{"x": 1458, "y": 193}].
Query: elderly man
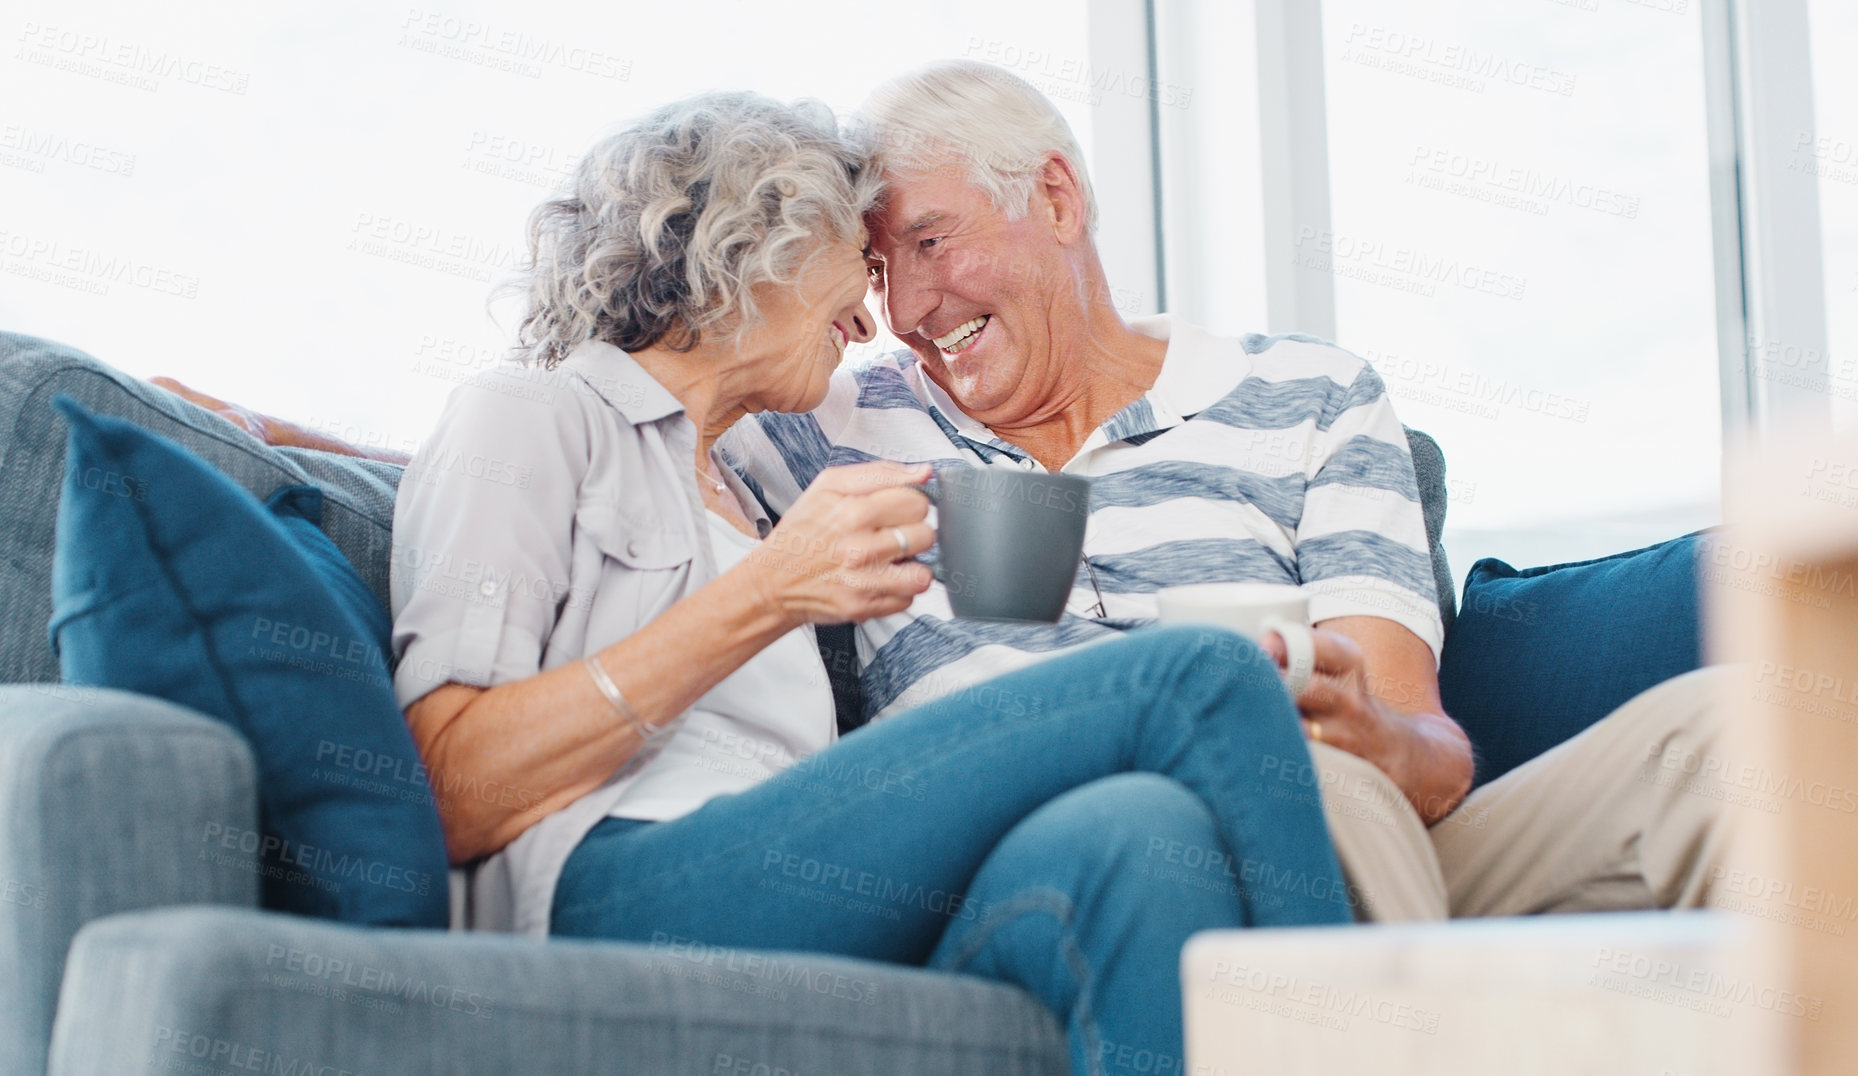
[
  {"x": 1266, "y": 459},
  {"x": 1261, "y": 459}
]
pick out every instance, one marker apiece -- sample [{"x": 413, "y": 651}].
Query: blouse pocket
[{"x": 643, "y": 558}]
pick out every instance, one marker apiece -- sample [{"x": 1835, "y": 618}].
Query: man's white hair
[{"x": 972, "y": 113}]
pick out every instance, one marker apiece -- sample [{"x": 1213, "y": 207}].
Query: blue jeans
[{"x": 1064, "y": 828}]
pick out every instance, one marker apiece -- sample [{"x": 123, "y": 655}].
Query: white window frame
[
  {"x": 1129, "y": 233},
  {"x": 1767, "y": 239},
  {"x": 1770, "y": 268}
]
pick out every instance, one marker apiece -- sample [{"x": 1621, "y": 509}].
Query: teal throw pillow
[
  {"x": 1538, "y": 655},
  {"x": 170, "y": 580}
]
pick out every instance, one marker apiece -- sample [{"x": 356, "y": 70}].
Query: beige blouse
[{"x": 549, "y": 515}]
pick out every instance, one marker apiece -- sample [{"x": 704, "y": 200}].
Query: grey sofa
[{"x": 133, "y": 952}]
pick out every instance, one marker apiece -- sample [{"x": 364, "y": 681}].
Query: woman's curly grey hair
[{"x": 668, "y": 226}]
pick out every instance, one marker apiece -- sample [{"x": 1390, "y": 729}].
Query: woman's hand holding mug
[{"x": 844, "y": 550}]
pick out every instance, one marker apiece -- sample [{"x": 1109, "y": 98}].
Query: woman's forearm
[
  {"x": 526, "y": 749},
  {"x": 502, "y": 758}
]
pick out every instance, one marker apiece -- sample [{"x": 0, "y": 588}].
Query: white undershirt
[{"x": 771, "y": 712}]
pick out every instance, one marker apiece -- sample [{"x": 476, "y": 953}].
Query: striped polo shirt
[{"x": 1271, "y": 459}]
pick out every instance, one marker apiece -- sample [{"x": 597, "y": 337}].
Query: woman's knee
[
  {"x": 1123, "y": 823},
  {"x": 1128, "y": 844},
  {"x": 1209, "y": 657}
]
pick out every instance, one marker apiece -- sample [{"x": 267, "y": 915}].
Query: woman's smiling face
[{"x": 805, "y": 328}]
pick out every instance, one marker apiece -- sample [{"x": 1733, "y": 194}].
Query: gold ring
[
  {"x": 1316, "y": 731},
  {"x": 903, "y": 544}
]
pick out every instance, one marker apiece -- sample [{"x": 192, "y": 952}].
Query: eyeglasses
[{"x": 1097, "y": 611}]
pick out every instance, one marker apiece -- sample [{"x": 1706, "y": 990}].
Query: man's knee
[
  {"x": 1677, "y": 723},
  {"x": 1691, "y": 703}
]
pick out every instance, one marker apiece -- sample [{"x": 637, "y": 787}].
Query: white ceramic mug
[{"x": 1251, "y": 609}]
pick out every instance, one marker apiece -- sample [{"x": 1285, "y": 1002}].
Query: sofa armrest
[
  {"x": 220, "y": 990},
  {"x": 104, "y": 800}
]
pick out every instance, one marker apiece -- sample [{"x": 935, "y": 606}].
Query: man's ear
[{"x": 1061, "y": 193}]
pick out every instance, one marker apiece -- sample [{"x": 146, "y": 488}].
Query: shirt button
[
  {"x": 632, "y": 549},
  {"x": 487, "y": 588},
  {"x": 1027, "y": 464}
]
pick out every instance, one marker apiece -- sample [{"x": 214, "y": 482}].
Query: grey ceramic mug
[{"x": 1010, "y": 540}]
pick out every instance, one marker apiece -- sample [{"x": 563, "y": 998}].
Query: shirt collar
[
  {"x": 1197, "y": 371},
  {"x": 945, "y": 404},
  {"x": 953, "y": 420},
  {"x": 617, "y": 378}
]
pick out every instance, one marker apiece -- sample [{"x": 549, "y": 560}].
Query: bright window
[
  {"x": 1832, "y": 152},
  {"x": 1521, "y": 244},
  {"x": 303, "y": 207}
]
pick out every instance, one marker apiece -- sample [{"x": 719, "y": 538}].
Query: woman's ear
[{"x": 1062, "y": 193}]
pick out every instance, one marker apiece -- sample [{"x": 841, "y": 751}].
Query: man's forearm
[
  {"x": 1386, "y": 709},
  {"x": 299, "y": 437},
  {"x": 278, "y": 432}
]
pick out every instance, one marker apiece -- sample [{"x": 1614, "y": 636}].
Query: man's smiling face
[{"x": 967, "y": 289}]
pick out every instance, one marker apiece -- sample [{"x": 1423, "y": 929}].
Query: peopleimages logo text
[{"x": 320, "y": 862}]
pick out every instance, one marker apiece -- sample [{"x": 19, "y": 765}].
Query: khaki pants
[{"x": 1607, "y": 821}]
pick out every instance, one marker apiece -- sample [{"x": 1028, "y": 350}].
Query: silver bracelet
[{"x": 611, "y": 691}]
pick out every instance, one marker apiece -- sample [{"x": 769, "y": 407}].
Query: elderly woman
[{"x": 606, "y": 654}]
